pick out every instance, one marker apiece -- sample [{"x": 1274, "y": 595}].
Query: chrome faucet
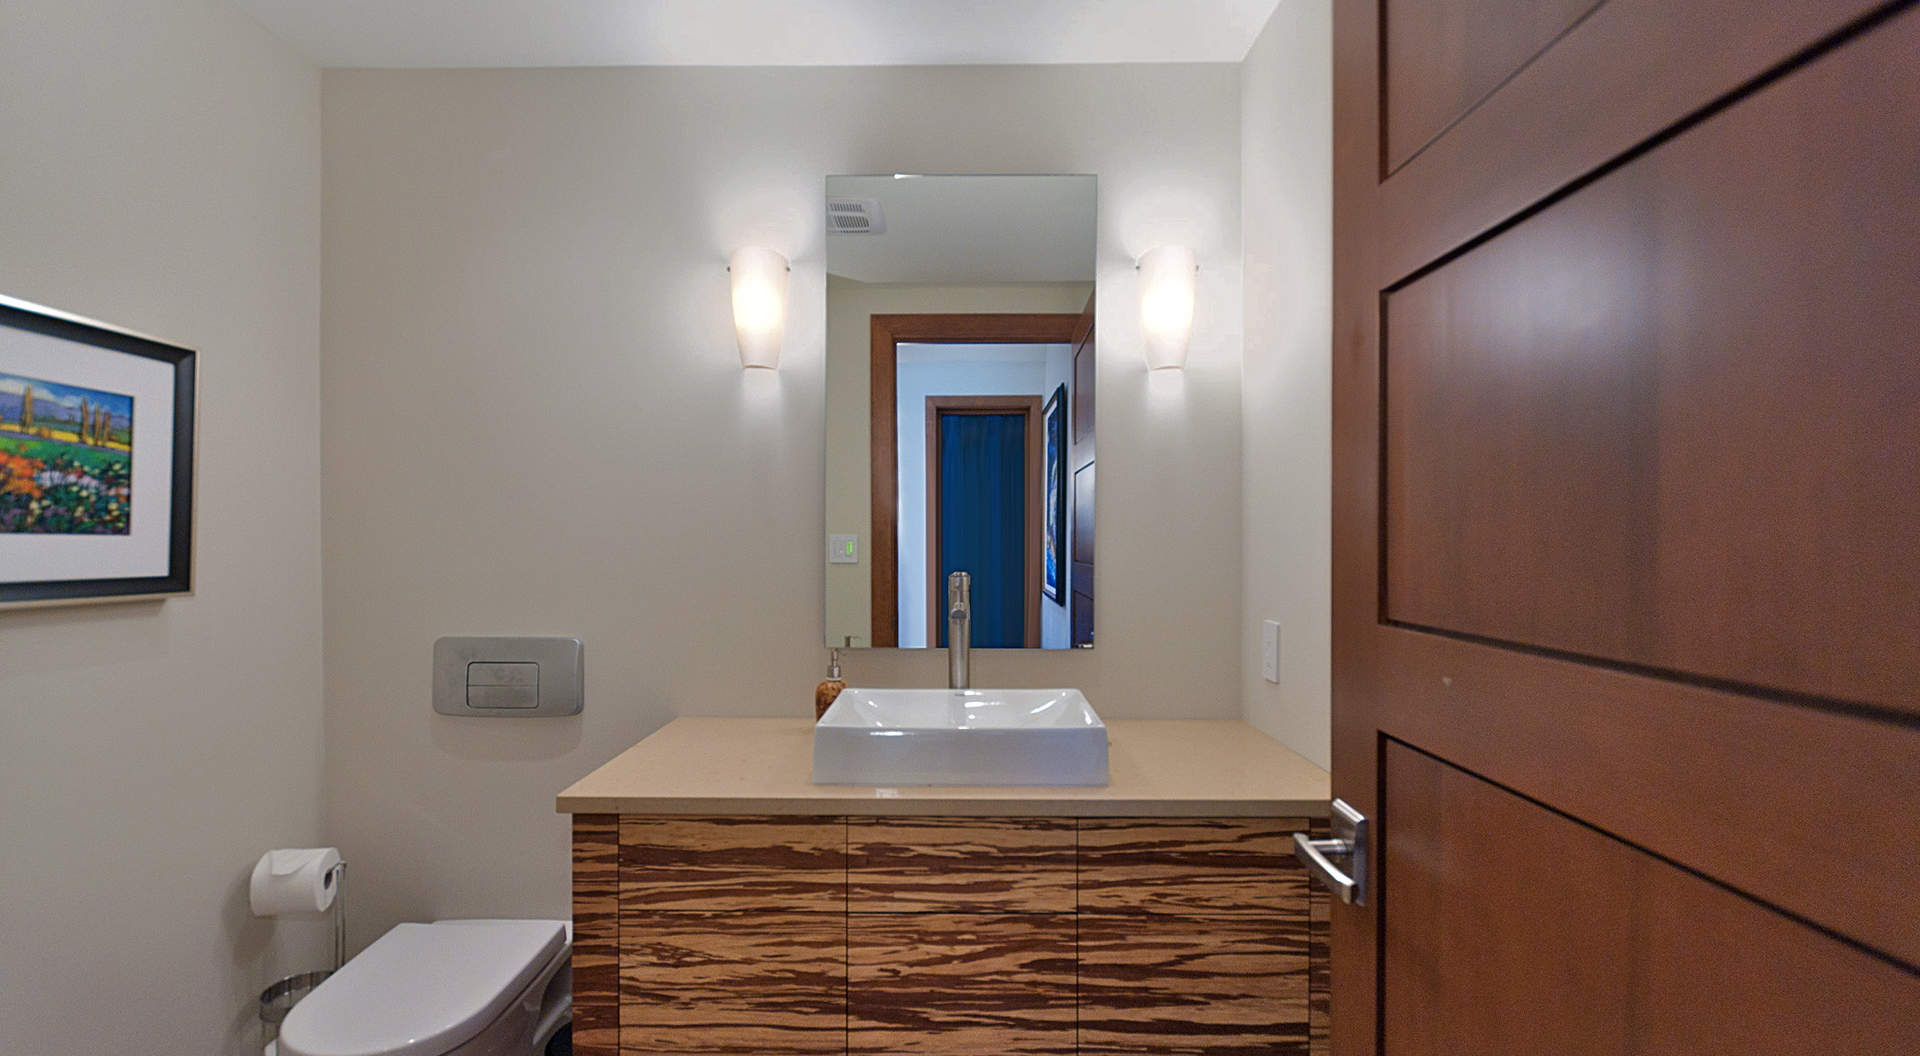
[{"x": 959, "y": 628}]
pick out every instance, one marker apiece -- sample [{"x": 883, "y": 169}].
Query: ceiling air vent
[{"x": 855, "y": 216}]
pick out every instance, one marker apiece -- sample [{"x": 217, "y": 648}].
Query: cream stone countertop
[{"x": 1159, "y": 768}]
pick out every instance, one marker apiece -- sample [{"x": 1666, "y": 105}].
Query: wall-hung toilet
[{"x": 452, "y": 988}]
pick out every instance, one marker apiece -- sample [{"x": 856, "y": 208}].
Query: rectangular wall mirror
[{"x": 960, "y": 408}]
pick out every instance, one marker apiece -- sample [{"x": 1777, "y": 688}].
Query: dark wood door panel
[
  {"x": 1444, "y": 56},
  {"x": 1082, "y": 411},
  {"x": 1635, "y": 426},
  {"x": 1083, "y": 527},
  {"x": 1627, "y": 71},
  {"x": 1738, "y": 788},
  {"x": 1658, "y": 961}
]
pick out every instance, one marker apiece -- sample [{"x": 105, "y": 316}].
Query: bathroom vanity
[{"x": 724, "y": 904}]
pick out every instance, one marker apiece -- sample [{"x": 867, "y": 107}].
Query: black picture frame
[
  {"x": 1054, "y": 543},
  {"x": 18, "y": 591}
]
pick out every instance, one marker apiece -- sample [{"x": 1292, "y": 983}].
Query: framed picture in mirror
[{"x": 1055, "y": 544}]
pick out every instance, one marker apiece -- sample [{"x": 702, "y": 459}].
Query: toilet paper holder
[
  {"x": 279, "y": 998},
  {"x": 338, "y": 876}
]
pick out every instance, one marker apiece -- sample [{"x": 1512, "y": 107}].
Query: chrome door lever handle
[
  {"x": 1350, "y": 842},
  {"x": 1314, "y": 855}
]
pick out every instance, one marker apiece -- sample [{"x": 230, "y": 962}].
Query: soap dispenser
[{"x": 824, "y": 694}]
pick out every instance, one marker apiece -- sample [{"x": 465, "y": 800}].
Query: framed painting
[
  {"x": 96, "y": 461},
  {"x": 1053, "y": 580}
]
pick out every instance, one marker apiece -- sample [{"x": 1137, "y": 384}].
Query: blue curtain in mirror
[{"x": 983, "y": 517}]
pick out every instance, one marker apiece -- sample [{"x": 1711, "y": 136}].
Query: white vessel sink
[{"x": 960, "y": 737}]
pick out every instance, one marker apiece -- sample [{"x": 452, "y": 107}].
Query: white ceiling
[
  {"x": 967, "y": 230},
  {"x": 454, "y": 33}
]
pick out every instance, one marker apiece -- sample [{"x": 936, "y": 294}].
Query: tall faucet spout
[{"x": 959, "y": 629}]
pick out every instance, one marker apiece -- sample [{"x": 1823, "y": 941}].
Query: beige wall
[
  {"x": 535, "y": 419},
  {"x": 1286, "y": 428},
  {"x": 849, "y": 492},
  {"x": 161, "y": 171}
]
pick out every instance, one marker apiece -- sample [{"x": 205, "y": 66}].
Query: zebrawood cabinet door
[
  {"x": 733, "y": 984},
  {"x": 732, "y": 937},
  {"x": 966, "y": 984},
  {"x": 960, "y": 865},
  {"x": 1192, "y": 986},
  {"x": 711, "y": 864},
  {"x": 1194, "y": 937},
  {"x": 1187, "y": 866}
]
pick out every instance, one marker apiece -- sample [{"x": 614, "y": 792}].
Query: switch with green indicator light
[{"x": 843, "y": 549}]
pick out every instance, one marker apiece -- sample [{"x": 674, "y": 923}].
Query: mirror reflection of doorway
[
  {"x": 1045, "y": 360},
  {"x": 985, "y": 512},
  {"x": 970, "y": 450}
]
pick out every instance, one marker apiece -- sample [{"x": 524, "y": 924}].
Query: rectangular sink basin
[{"x": 960, "y": 737}]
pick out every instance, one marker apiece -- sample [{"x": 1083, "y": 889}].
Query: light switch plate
[
  {"x": 843, "y": 549},
  {"x": 1270, "y": 650},
  {"x": 491, "y": 676}
]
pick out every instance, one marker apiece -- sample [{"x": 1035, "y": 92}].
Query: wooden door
[
  {"x": 1080, "y": 456},
  {"x": 1627, "y": 525}
]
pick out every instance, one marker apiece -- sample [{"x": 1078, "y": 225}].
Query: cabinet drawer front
[
  {"x": 1204, "y": 986},
  {"x": 1189, "y": 865},
  {"x": 744, "y": 983},
  {"x": 960, "y": 865},
  {"x": 961, "y": 983},
  {"x": 707, "y": 864}
]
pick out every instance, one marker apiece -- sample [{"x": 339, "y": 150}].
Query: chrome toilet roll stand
[
  {"x": 278, "y": 1000},
  {"x": 339, "y": 879}
]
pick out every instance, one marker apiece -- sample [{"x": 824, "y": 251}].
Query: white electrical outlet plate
[{"x": 1270, "y": 650}]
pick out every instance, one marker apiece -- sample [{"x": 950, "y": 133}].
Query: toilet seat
[{"x": 422, "y": 989}]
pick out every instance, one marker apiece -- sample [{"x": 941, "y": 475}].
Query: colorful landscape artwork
[{"x": 66, "y": 459}]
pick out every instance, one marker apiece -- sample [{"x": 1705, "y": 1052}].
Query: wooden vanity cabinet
[{"x": 1024, "y": 936}]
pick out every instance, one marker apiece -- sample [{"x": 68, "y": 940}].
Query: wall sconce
[
  {"x": 1166, "y": 305},
  {"x": 759, "y": 304}
]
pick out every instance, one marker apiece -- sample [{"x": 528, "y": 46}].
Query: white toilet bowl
[{"x": 452, "y": 988}]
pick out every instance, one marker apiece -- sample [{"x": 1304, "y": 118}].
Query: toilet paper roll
[{"x": 294, "y": 880}]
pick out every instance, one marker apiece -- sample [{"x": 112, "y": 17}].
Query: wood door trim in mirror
[
  {"x": 1028, "y": 407},
  {"x": 887, "y": 332}
]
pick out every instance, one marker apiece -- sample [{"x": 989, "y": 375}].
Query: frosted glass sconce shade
[
  {"x": 759, "y": 304},
  {"x": 1166, "y": 305}
]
